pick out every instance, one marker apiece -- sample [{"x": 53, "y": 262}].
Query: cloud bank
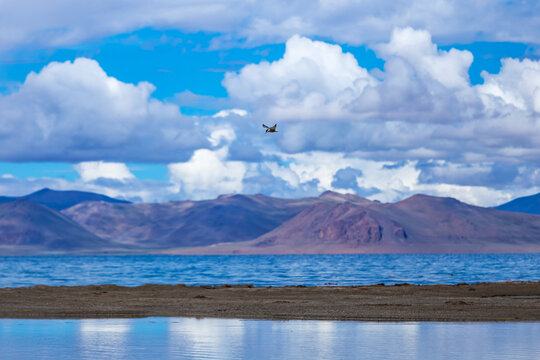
[
  {"x": 418, "y": 125},
  {"x": 421, "y": 107},
  {"x": 68, "y": 22}
]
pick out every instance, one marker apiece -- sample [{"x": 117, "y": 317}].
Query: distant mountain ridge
[
  {"x": 60, "y": 200},
  {"x": 259, "y": 224},
  {"x": 28, "y": 227},
  {"x": 527, "y": 204}
]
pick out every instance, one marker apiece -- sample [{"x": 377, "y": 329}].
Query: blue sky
[{"x": 165, "y": 102}]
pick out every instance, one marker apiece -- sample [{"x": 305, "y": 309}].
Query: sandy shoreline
[{"x": 507, "y": 301}]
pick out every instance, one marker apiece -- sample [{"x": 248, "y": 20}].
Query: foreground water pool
[{"x": 190, "y": 338}]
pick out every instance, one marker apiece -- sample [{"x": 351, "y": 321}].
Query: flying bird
[{"x": 270, "y": 129}]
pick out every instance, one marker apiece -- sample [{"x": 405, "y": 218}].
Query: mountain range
[
  {"x": 186, "y": 223},
  {"x": 51, "y": 221}
]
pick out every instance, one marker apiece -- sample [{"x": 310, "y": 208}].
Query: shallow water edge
[{"x": 190, "y": 338}]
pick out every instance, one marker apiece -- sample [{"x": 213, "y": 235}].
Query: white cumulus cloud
[
  {"x": 450, "y": 68},
  {"x": 421, "y": 107},
  {"x": 312, "y": 80},
  {"x": 517, "y": 84},
  {"x": 92, "y": 170},
  {"x": 229, "y": 112},
  {"x": 223, "y": 133},
  {"x": 208, "y": 174},
  {"x": 74, "y": 111}
]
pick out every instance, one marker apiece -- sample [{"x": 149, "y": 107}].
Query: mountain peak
[
  {"x": 42, "y": 191},
  {"x": 335, "y": 196}
]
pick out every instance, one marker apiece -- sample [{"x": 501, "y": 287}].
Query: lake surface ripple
[{"x": 267, "y": 270}]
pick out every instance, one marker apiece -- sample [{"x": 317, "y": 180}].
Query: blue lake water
[
  {"x": 267, "y": 270},
  {"x": 189, "y": 338}
]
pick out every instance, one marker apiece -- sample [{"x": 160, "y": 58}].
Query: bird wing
[{"x": 264, "y": 126}]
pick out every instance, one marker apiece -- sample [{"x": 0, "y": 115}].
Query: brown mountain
[
  {"x": 250, "y": 224},
  {"x": 420, "y": 224},
  {"x": 229, "y": 218},
  {"x": 28, "y": 228}
]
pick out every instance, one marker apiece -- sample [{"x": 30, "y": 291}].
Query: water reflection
[
  {"x": 205, "y": 338},
  {"x": 98, "y": 337},
  {"x": 188, "y": 338}
]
